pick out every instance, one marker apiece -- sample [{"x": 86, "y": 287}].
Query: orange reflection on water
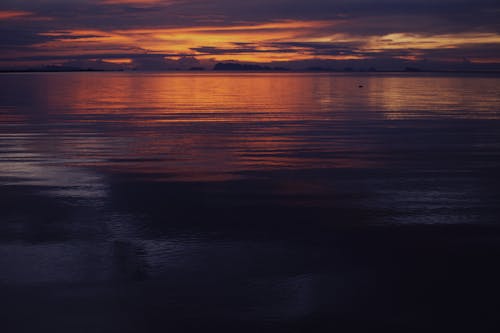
[
  {"x": 215, "y": 126},
  {"x": 200, "y": 126},
  {"x": 423, "y": 97}
]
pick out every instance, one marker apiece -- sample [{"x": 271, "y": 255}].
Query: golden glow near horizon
[
  {"x": 184, "y": 41},
  {"x": 286, "y": 33},
  {"x": 284, "y": 40},
  {"x": 262, "y": 37}
]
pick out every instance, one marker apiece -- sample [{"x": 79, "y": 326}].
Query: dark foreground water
[{"x": 143, "y": 202}]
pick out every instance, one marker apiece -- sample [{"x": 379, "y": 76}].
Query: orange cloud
[
  {"x": 13, "y": 14},
  {"x": 263, "y": 39},
  {"x": 184, "y": 41},
  {"x": 416, "y": 41},
  {"x": 119, "y": 61}
]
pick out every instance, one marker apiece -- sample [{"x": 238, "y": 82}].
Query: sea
[{"x": 249, "y": 202}]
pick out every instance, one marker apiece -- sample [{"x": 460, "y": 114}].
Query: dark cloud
[
  {"x": 385, "y": 15},
  {"x": 14, "y": 38}
]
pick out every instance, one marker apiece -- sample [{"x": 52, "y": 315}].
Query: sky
[{"x": 180, "y": 34}]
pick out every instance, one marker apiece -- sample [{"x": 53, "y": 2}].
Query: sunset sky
[{"x": 168, "y": 34}]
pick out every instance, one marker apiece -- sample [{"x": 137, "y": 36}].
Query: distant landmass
[
  {"x": 247, "y": 67},
  {"x": 231, "y": 66}
]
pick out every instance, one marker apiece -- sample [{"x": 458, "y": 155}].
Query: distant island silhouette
[
  {"x": 232, "y": 66},
  {"x": 244, "y": 67}
]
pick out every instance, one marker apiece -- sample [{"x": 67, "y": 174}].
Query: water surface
[{"x": 138, "y": 201}]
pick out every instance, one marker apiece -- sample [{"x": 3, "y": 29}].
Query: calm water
[{"x": 132, "y": 202}]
